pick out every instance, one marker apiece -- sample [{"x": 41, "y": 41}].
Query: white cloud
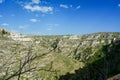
[
  {"x": 50, "y": 27},
  {"x": 1, "y": 1},
  {"x": 78, "y": 7},
  {"x": 21, "y": 3},
  {"x": 34, "y": 6},
  {"x": 1, "y": 16},
  {"x": 118, "y": 5},
  {"x": 71, "y": 6},
  {"x": 36, "y": 1},
  {"x": 34, "y": 20},
  {"x": 45, "y": 2},
  {"x": 4, "y": 24},
  {"x": 23, "y": 26},
  {"x": 12, "y": 14},
  {"x": 56, "y": 24},
  {"x": 64, "y": 6},
  {"x": 43, "y": 9}
]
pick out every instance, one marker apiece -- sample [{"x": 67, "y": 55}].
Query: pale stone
[{"x": 74, "y": 37}]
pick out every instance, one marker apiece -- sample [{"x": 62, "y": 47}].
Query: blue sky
[{"x": 60, "y": 16}]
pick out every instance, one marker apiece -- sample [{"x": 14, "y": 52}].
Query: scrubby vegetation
[
  {"x": 70, "y": 57},
  {"x": 104, "y": 64}
]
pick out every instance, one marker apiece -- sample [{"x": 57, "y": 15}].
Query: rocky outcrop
[{"x": 116, "y": 77}]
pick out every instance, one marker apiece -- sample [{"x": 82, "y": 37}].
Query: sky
[{"x": 59, "y": 17}]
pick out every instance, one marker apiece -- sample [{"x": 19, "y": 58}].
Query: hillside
[{"x": 64, "y": 57}]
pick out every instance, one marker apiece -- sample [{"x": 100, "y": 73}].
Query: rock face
[
  {"x": 73, "y": 37},
  {"x": 1, "y": 29},
  {"x": 116, "y": 77},
  {"x": 12, "y": 35},
  {"x": 18, "y": 37}
]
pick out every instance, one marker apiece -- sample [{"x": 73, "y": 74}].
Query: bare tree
[{"x": 24, "y": 65}]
